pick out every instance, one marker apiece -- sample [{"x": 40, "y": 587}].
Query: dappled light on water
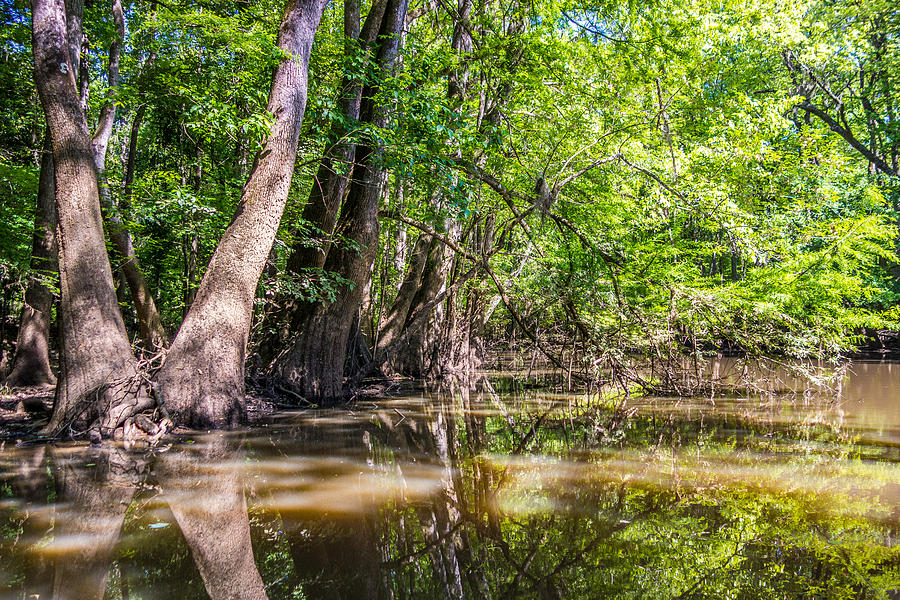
[{"x": 483, "y": 490}]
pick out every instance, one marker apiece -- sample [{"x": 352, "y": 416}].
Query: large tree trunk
[
  {"x": 314, "y": 363},
  {"x": 95, "y": 348},
  {"x": 32, "y": 360},
  {"x": 202, "y": 380}
]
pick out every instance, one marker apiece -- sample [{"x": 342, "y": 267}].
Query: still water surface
[{"x": 786, "y": 489}]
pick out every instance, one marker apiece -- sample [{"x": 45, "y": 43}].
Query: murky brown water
[{"x": 488, "y": 492}]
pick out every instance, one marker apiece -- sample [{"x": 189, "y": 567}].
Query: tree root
[{"x": 134, "y": 410}]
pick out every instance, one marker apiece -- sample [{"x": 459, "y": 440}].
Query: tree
[
  {"x": 313, "y": 363},
  {"x": 97, "y": 369},
  {"x": 32, "y": 359},
  {"x": 202, "y": 380},
  {"x": 329, "y": 186},
  {"x": 409, "y": 334},
  {"x": 846, "y": 77}
]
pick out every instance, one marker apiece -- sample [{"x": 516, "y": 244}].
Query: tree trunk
[
  {"x": 419, "y": 358},
  {"x": 314, "y": 363},
  {"x": 328, "y": 189},
  {"x": 152, "y": 332},
  {"x": 394, "y": 321},
  {"x": 416, "y": 354},
  {"x": 202, "y": 380},
  {"x": 32, "y": 360},
  {"x": 330, "y": 183},
  {"x": 95, "y": 347}
]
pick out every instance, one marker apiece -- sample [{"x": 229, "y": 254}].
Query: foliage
[{"x": 722, "y": 217}]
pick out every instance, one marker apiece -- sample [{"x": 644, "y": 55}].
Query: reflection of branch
[
  {"x": 409, "y": 558},
  {"x": 596, "y": 541},
  {"x": 522, "y": 571},
  {"x": 737, "y": 549}
]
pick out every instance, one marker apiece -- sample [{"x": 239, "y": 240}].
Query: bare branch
[
  {"x": 654, "y": 177},
  {"x": 848, "y": 137},
  {"x": 600, "y": 161}
]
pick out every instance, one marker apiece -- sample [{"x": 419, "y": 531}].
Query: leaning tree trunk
[
  {"x": 314, "y": 363},
  {"x": 417, "y": 355},
  {"x": 330, "y": 182},
  {"x": 32, "y": 361},
  {"x": 329, "y": 185},
  {"x": 95, "y": 348},
  {"x": 202, "y": 380},
  {"x": 152, "y": 332},
  {"x": 402, "y": 349},
  {"x": 393, "y": 323}
]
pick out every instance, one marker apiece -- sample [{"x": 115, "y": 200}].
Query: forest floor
[{"x": 25, "y": 411}]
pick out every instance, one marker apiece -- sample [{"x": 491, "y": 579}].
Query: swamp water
[{"x": 493, "y": 492}]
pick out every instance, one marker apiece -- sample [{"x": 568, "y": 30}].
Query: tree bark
[
  {"x": 95, "y": 348},
  {"x": 417, "y": 355},
  {"x": 202, "y": 380},
  {"x": 314, "y": 363},
  {"x": 420, "y": 357},
  {"x": 32, "y": 360},
  {"x": 394, "y": 321},
  {"x": 329, "y": 184}
]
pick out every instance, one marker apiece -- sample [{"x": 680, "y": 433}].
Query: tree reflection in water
[
  {"x": 94, "y": 492},
  {"x": 204, "y": 488},
  {"x": 463, "y": 492}
]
